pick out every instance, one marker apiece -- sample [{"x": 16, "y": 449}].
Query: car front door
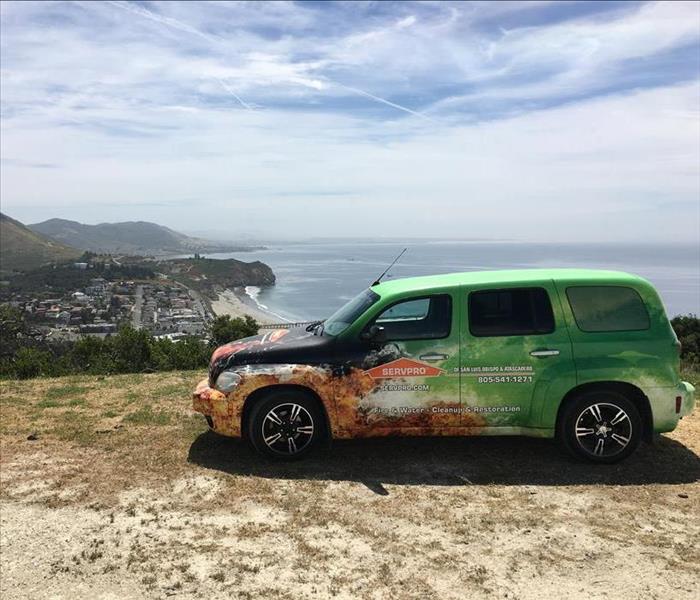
[
  {"x": 516, "y": 354},
  {"x": 412, "y": 373}
]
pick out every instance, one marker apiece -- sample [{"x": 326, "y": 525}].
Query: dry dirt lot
[{"x": 125, "y": 495}]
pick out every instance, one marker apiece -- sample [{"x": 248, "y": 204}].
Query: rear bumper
[
  {"x": 687, "y": 394},
  {"x": 670, "y": 404},
  {"x": 223, "y": 416}
]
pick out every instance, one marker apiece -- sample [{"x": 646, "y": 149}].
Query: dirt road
[{"x": 125, "y": 495}]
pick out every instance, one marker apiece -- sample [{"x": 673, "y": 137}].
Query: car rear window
[
  {"x": 607, "y": 308},
  {"x": 522, "y": 311}
]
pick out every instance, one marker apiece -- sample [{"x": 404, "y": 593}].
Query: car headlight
[{"x": 227, "y": 381}]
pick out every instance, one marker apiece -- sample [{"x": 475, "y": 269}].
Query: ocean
[{"x": 315, "y": 278}]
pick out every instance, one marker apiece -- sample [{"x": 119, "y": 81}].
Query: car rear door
[{"x": 515, "y": 354}]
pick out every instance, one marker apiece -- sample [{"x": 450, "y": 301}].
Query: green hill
[
  {"x": 211, "y": 276},
  {"x": 22, "y": 249},
  {"x": 130, "y": 237}
]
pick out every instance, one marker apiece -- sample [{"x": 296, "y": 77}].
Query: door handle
[
  {"x": 544, "y": 353},
  {"x": 433, "y": 357}
]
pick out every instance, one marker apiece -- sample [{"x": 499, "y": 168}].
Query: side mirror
[{"x": 375, "y": 333}]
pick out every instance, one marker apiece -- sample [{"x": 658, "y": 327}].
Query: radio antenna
[{"x": 389, "y": 267}]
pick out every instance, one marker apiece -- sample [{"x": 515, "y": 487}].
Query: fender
[{"x": 226, "y": 410}]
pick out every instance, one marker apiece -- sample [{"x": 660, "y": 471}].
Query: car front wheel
[
  {"x": 286, "y": 425},
  {"x": 601, "y": 427}
]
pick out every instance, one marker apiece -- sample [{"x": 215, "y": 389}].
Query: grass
[
  {"x": 48, "y": 404},
  {"x": 66, "y": 391},
  {"x": 53, "y": 397},
  {"x": 71, "y": 429},
  {"x": 147, "y": 416},
  {"x": 174, "y": 391},
  {"x": 87, "y": 411},
  {"x": 75, "y": 402},
  {"x": 72, "y": 408},
  {"x": 176, "y": 510}
]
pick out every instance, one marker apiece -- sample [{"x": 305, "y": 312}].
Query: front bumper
[{"x": 223, "y": 416}]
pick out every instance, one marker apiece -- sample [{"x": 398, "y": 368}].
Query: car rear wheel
[
  {"x": 286, "y": 425},
  {"x": 601, "y": 427}
]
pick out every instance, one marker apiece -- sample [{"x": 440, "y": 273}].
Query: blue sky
[{"x": 525, "y": 120}]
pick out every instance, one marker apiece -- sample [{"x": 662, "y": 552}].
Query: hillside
[
  {"x": 213, "y": 276},
  {"x": 112, "y": 487},
  {"x": 22, "y": 249},
  {"x": 129, "y": 237}
]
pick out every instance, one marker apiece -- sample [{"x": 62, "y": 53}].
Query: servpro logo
[{"x": 403, "y": 367}]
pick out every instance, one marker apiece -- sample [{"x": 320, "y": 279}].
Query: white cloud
[
  {"x": 586, "y": 171},
  {"x": 266, "y": 115},
  {"x": 582, "y": 53}
]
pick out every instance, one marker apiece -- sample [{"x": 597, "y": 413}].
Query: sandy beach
[{"x": 233, "y": 303}]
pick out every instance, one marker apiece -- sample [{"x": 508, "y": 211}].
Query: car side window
[
  {"x": 410, "y": 310},
  {"x": 417, "y": 318},
  {"x": 607, "y": 308},
  {"x": 510, "y": 312}
]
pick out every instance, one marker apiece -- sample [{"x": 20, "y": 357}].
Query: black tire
[
  {"x": 601, "y": 427},
  {"x": 286, "y": 425}
]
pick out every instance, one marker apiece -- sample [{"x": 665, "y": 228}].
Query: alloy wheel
[
  {"x": 603, "y": 429},
  {"x": 287, "y": 428}
]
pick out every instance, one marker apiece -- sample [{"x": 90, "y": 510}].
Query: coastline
[{"x": 236, "y": 303}]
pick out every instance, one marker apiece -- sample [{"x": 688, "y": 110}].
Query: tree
[
  {"x": 189, "y": 353},
  {"x": 130, "y": 350},
  {"x": 90, "y": 354},
  {"x": 12, "y": 329},
  {"x": 225, "y": 329}
]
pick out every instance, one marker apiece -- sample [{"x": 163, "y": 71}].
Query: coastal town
[
  {"x": 160, "y": 306},
  {"x": 62, "y": 294}
]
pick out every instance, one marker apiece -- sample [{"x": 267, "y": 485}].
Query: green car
[{"x": 588, "y": 357}]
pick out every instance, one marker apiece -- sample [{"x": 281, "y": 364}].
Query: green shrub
[
  {"x": 90, "y": 355},
  {"x": 687, "y": 328},
  {"x": 31, "y": 362},
  {"x": 128, "y": 351},
  {"x": 225, "y": 329},
  {"x": 185, "y": 354},
  {"x": 189, "y": 353}
]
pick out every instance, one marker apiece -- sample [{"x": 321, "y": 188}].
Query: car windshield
[{"x": 345, "y": 316}]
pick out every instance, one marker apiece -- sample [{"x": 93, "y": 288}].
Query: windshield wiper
[{"x": 314, "y": 326}]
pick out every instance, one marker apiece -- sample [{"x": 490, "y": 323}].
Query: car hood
[{"x": 280, "y": 346}]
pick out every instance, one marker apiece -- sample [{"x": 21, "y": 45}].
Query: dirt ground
[{"x": 124, "y": 494}]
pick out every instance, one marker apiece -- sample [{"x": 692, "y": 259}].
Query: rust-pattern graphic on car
[{"x": 365, "y": 393}]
